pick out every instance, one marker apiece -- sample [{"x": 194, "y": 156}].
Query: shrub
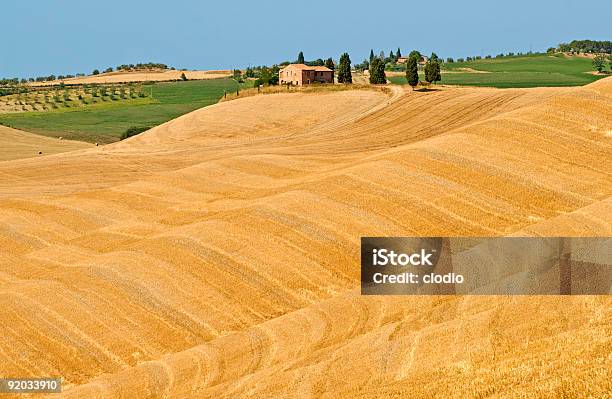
[
  {"x": 133, "y": 131},
  {"x": 599, "y": 63},
  {"x": 183, "y": 77}
]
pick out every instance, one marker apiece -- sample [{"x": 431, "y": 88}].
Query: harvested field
[
  {"x": 217, "y": 255},
  {"x": 15, "y": 144},
  {"x": 139, "y": 76}
]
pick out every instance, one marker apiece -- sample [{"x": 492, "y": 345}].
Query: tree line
[
  {"x": 50, "y": 78},
  {"x": 132, "y": 67},
  {"x": 376, "y": 66},
  {"x": 585, "y": 46}
]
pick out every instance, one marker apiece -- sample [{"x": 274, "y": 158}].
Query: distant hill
[
  {"x": 534, "y": 70},
  {"x": 156, "y": 75}
]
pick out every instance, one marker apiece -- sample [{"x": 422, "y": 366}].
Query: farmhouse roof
[{"x": 303, "y": 67}]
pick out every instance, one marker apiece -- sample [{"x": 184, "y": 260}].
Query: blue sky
[{"x": 42, "y": 37}]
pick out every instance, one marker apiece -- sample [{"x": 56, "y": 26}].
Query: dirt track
[{"x": 217, "y": 255}]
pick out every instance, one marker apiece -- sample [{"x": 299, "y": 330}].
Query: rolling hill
[
  {"x": 105, "y": 121},
  {"x": 138, "y": 76},
  {"x": 16, "y": 144},
  {"x": 217, "y": 255},
  {"x": 534, "y": 70}
]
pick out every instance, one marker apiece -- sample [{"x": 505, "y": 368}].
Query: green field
[
  {"x": 104, "y": 123},
  {"x": 518, "y": 71}
]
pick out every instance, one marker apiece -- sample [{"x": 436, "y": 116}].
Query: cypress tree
[
  {"x": 377, "y": 72},
  {"x": 374, "y": 70},
  {"x": 399, "y": 53},
  {"x": 329, "y": 63},
  {"x": 432, "y": 71},
  {"x": 382, "y": 76},
  {"x": 412, "y": 72},
  {"x": 300, "y": 59},
  {"x": 427, "y": 71},
  {"x": 344, "y": 69},
  {"x": 437, "y": 75},
  {"x": 371, "y": 55},
  {"x": 415, "y": 54}
]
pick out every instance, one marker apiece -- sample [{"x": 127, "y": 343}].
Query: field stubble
[{"x": 217, "y": 255}]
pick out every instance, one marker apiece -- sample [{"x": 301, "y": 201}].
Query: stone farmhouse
[{"x": 300, "y": 74}]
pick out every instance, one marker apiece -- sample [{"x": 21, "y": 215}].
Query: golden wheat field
[
  {"x": 217, "y": 255},
  {"x": 15, "y": 144},
  {"x": 140, "y": 76}
]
